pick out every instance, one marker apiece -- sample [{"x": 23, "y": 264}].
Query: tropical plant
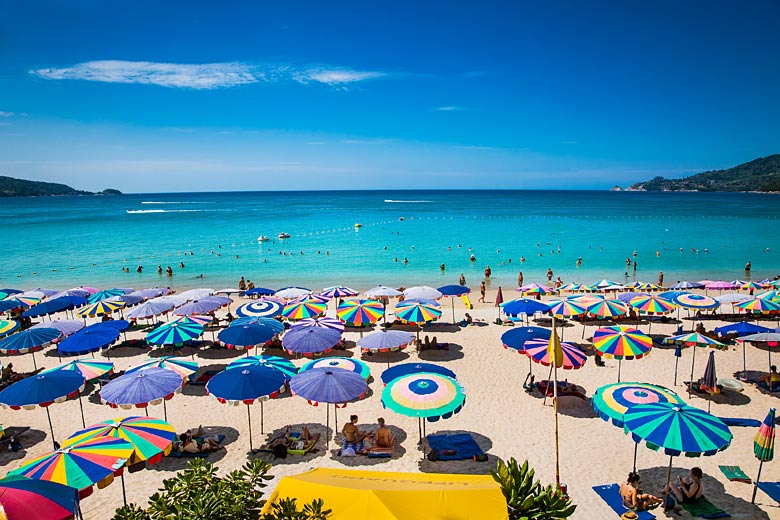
[{"x": 526, "y": 499}]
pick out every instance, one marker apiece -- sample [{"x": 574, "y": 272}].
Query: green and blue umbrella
[
  {"x": 175, "y": 332},
  {"x": 612, "y": 401},
  {"x": 7, "y": 327},
  {"x": 284, "y": 366},
  {"x": 106, "y": 294}
]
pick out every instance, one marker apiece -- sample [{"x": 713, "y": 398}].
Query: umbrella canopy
[
  {"x": 259, "y": 291},
  {"x": 182, "y": 366},
  {"x": 525, "y": 306},
  {"x": 608, "y": 309},
  {"x": 422, "y": 292},
  {"x": 54, "y": 306},
  {"x": 30, "y": 340},
  {"x": 175, "y": 332},
  {"x": 202, "y": 306},
  {"x": 150, "y": 309},
  {"x": 719, "y": 285},
  {"x": 284, "y": 366},
  {"x": 90, "y": 369},
  {"x": 383, "y": 291},
  {"x": 150, "y": 293},
  {"x": 151, "y": 438},
  {"x": 308, "y": 308},
  {"x": 538, "y": 351},
  {"x": 696, "y": 301},
  {"x": 424, "y": 394},
  {"x": 733, "y": 298},
  {"x": 687, "y": 285},
  {"x": 228, "y": 291},
  {"x": 105, "y": 295},
  {"x": 535, "y": 288},
  {"x": 764, "y": 441},
  {"x": 626, "y": 297},
  {"x": 289, "y": 293},
  {"x": 677, "y": 428},
  {"x": 769, "y": 295},
  {"x": 418, "y": 311},
  {"x": 260, "y": 309},
  {"x": 100, "y": 308},
  {"x": 329, "y": 323},
  {"x": 79, "y": 466},
  {"x": 360, "y": 312},
  {"x": 696, "y": 339},
  {"x": 141, "y": 388},
  {"x": 310, "y": 340},
  {"x": 87, "y": 340},
  {"x": 454, "y": 290},
  {"x": 751, "y": 286},
  {"x": 338, "y": 291},
  {"x": 345, "y": 363},
  {"x": 277, "y": 325},
  {"x": 385, "y": 341},
  {"x": 246, "y": 336},
  {"x": 247, "y": 384},
  {"x": 709, "y": 383},
  {"x": 404, "y": 369},
  {"x": 743, "y": 328},
  {"x": 42, "y": 390},
  {"x": 517, "y": 337},
  {"x": 66, "y": 327},
  {"x": 196, "y": 294},
  {"x": 770, "y": 338},
  {"x": 759, "y": 306},
  {"x": 611, "y": 402},
  {"x": 621, "y": 342},
  {"x": 7, "y": 327},
  {"x": 22, "y": 497},
  {"x": 328, "y": 385},
  {"x": 120, "y": 325},
  {"x": 567, "y": 308},
  {"x": 652, "y": 305},
  {"x": 570, "y": 287}
]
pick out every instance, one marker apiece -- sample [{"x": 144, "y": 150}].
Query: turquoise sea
[{"x": 61, "y": 242}]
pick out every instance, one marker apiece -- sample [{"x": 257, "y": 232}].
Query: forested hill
[
  {"x": 761, "y": 174},
  {"x": 11, "y": 187}
]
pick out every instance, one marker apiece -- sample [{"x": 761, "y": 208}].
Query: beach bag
[{"x": 280, "y": 451}]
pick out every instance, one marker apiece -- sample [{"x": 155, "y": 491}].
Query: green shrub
[{"x": 526, "y": 499}]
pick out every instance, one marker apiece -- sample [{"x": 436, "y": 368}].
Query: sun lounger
[
  {"x": 200, "y": 454},
  {"x": 383, "y": 451},
  {"x": 546, "y": 388},
  {"x": 735, "y": 474},
  {"x": 610, "y": 494},
  {"x": 455, "y": 446},
  {"x": 300, "y": 446},
  {"x": 204, "y": 378},
  {"x": 770, "y": 488},
  {"x": 703, "y": 508},
  {"x": 747, "y": 423}
]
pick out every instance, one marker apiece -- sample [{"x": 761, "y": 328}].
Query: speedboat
[
  {"x": 284, "y": 235},
  {"x": 358, "y": 225},
  {"x": 263, "y": 238}
]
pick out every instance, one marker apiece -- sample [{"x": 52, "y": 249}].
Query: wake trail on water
[
  {"x": 175, "y": 202},
  {"x": 393, "y": 201},
  {"x": 142, "y": 211}
]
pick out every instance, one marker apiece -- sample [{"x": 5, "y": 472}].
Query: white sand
[{"x": 500, "y": 415}]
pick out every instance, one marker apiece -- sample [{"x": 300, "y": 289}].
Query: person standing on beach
[
  {"x": 747, "y": 270},
  {"x": 462, "y": 280},
  {"x": 242, "y": 284},
  {"x": 549, "y": 274},
  {"x": 661, "y": 279},
  {"x": 488, "y": 272},
  {"x": 482, "y": 291},
  {"x": 520, "y": 279}
]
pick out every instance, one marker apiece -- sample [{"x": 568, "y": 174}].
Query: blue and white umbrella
[
  {"x": 260, "y": 308},
  {"x": 30, "y": 340}
]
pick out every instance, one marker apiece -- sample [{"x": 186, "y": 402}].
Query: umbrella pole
[
  {"x": 35, "y": 365},
  {"x": 165, "y": 411},
  {"x": 744, "y": 362},
  {"x": 124, "y": 493},
  {"x": 327, "y": 426},
  {"x": 249, "y": 420},
  {"x": 336, "y": 416},
  {"x": 693, "y": 362},
  {"x": 262, "y": 418},
  {"x": 81, "y": 407},
  {"x": 555, "y": 405},
  {"x": 452, "y": 299},
  {"x": 755, "y": 483},
  {"x": 668, "y": 479},
  {"x": 636, "y": 447},
  {"x": 676, "y": 361},
  {"x": 620, "y": 365},
  {"x": 51, "y": 428}
]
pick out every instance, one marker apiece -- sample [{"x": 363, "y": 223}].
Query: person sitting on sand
[
  {"x": 382, "y": 435},
  {"x": 687, "y": 490},
  {"x": 772, "y": 379},
  {"x": 196, "y": 441},
  {"x": 353, "y": 435},
  {"x": 633, "y": 498}
]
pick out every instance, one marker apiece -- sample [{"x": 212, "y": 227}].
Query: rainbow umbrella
[
  {"x": 7, "y": 327},
  {"x": 284, "y": 366},
  {"x": 89, "y": 368},
  {"x": 759, "y": 306},
  {"x": 570, "y": 287},
  {"x": 175, "y": 332},
  {"x": 695, "y": 301},
  {"x": 538, "y": 351},
  {"x": 751, "y": 286},
  {"x": 308, "y": 308},
  {"x": 764, "y": 446},
  {"x": 536, "y": 289},
  {"x": 567, "y": 308},
  {"x": 22, "y": 497},
  {"x": 184, "y": 367},
  {"x": 418, "y": 311},
  {"x": 81, "y": 465},
  {"x": 30, "y": 340},
  {"x": 359, "y": 313},
  {"x": 100, "y": 308},
  {"x": 354, "y": 365},
  {"x": 328, "y": 323},
  {"x": 608, "y": 309},
  {"x": 652, "y": 305},
  {"x": 620, "y": 342},
  {"x": 27, "y": 299}
]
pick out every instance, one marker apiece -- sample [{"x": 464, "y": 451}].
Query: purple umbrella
[
  {"x": 66, "y": 327},
  {"x": 310, "y": 340},
  {"x": 202, "y": 306},
  {"x": 150, "y": 308},
  {"x": 330, "y": 323},
  {"x": 709, "y": 383},
  {"x": 141, "y": 388}
]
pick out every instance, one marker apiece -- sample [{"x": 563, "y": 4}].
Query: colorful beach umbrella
[
  {"x": 308, "y": 341},
  {"x": 141, "y": 388},
  {"x": 285, "y": 366},
  {"x": 323, "y": 321},
  {"x": 105, "y": 295},
  {"x": 355, "y": 365},
  {"x": 759, "y": 306},
  {"x": 537, "y": 350},
  {"x": 87, "y": 340},
  {"x": 29, "y": 340},
  {"x": 151, "y": 438},
  {"x": 751, "y": 286},
  {"x": 338, "y": 291},
  {"x": 182, "y": 366},
  {"x": 652, "y": 305},
  {"x": 360, "y": 313},
  {"x": 404, "y": 369},
  {"x": 100, "y": 308},
  {"x": 176, "y": 332},
  {"x": 764, "y": 446},
  {"x": 608, "y": 309},
  {"x": 620, "y": 342},
  {"x": 7, "y": 327},
  {"x": 308, "y": 308},
  {"x": 25, "y": 498},
  {"x": 709, "y": 383},
  {"x": 246, "y": 336},
  {"x": 695, "y": 339},
  {"x": 536, "y": 289},
  {"x": 566, "y": 308},
  {"x": 418, "y": 311},
  {"x": 90, "y": 369},
  {"x": 696, "y": 301}
]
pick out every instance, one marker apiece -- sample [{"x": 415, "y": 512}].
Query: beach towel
[
  {"x": 770, "y": 488},
  {"x": 747, "y": 423},
  {"x": 455, "y": 446},
  {"x": 200, "y": 454},
  {"x": 705, "y": 509},
  {"x": 610, "y": 494},
  {"x": 735, "y": 474}
]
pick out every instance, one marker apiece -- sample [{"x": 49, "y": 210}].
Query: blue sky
[{"x": 201, "y": 96}]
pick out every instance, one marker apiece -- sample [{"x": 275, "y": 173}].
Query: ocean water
[{"x": 61, "y": 242}]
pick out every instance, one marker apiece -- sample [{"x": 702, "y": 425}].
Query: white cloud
[
  {"x": 205, "y": 76},
  {"x": 6, "y": 114},
  {"x": 449, "y": 108}
]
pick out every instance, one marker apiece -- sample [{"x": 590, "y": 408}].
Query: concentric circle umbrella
[
  {"x": 621, "y": 343},
  {"x": 22, "y": 498},
  {"x": 89, "y": 369},
  {"x": 359, "y": 313},
  {"x": 141, "y": 388},
  {"x": 202, "y": 306},
  {"x": 7, "y": 327},
  {"x": 310, "y": 340},
  {"x": 285, "y": 366},
  {"x": 422, "y": 292},
  {"x": 678, "y": 429},
  {"x": 308, "y": 308},
  {"x": 30, "y": 340},
  {"x": 79, "y": 466},
  {"x": 538, "y": 351},
  {"x": 354, "y": 365},
  {"x": 695, "y": 301},
  {"x": 105, "y": 295},
  {"x": 100, "y": 308},
  {"x": 764, "y": 446},
  {"x": 260, "y": 308},
  {"x": 174, "y": 333},
  {"x": 242, "y": 337},
  {"x": 247, "y": 384},
  {"x": 759, "y": 306},
  {"x": 184, "y": 367},
  {"x": 324, "y": 321},
  {"x": 403, "y": 369},
  {"x": 87, "y": 340},
  {"x": 329, "y": 385},
  {"x": 709, "y": 383},
  {"x": 43, "y": 390},
  {"x": 277, "y": 325},
  {"x": 66, "y": 327},
  {"x": 150, "y": 309},
  {"x": 338, "y": 291},
  {"x": 695, "y": 339},
  {"x": 290, "y": 293}
]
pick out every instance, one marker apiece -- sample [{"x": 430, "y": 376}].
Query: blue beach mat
[
  {"x": 770, "y": 488},
  {"x": 747, "y": 423},
  {"x": 456, "y": 446},
  {"x": 610, "y": 493}
]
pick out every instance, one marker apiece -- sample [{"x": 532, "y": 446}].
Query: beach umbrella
[
  {"x": 536, "y": 289},
  {"x": 6, "y": 292},
  {"x": 66, "y": 327},
  {"x": 764, "y": 446},
  {"x": 324, "y": 321},
  {"x": 403, "y": 369},
  {"x": 176, "y": 299},
  {"x": 310, "y": 340},
  {"x": 422, "y": 292},
  {"x": 277, "y": 325},
  {"x": 687, "y": 285},
  {"x": 7, "y": 327},
  {"x": 245, "y": 385},
  {"x": 381, "y": 291},
  {"x": 425, "y": 395},
  {"x": 759, "y": 306},
  {"x": 751, "y": 286},
  {"x": 385, "y": 340},
  {"x": 626, "y": 297},
  {"x": 149, "y": 309},
  {"x": 259, "y": 291},
  {"x": 330, "y": 386},
  {"x": 11, "y": 304},
  {"x": 26, "y": 498},
  {"x": 29, "y": 340},
  {"x": 566, "y": 308},
  {"x": 290, "y": 293},
  {"x": 612, "y": 401},
  {"x": 517, "y": 337},
  {"x": 120, "y": 325},
  {"x": 677, "y": 428},
  {"x": 43, "y": 390},
  {"x": 260, "y": 308},
  {"x": 89, "y": 369},
  {"x": 695, "y": 339},
  {"x": 202, "y": 306},
  {"x": 130, "y": 300},
  {"x": 418, "y": 311},
  {"x": 284, "y": 366},
  {"x": 677, "y": 356},
  {"x": 770, "y": 339},
  {"x": 620, "y": 342},
  {"x": 538, "y": 351},
  {"x": 100, "y": 308},
  {"x": 30, "y": 298},
  {"x": 53, "y": 306},
  {"x": 338, "y": 291},
  {"x": 719, "y": 285},
  {"x": 709, "y": 383},
  {"x": 499, "y": 301},
  {"x": 586, "y": 299},
  {"x": 652, "y": 305},
  {"x": 141, "y": 388},
  {"x": 242, "y": 337},
  {"x": 196, "y": 294},
  {"x": 608, "y": 309},
  {"x": 193, "y": 320},
  {"x": 152, "y": 292},
  {"x": 79, "y": 466},
  {"x": 228, "y": 291},
  {"x": 176, "y": 332},
  {"x": 359, "y": 313},
  {"x": 457, "y": 290},
  {"x": 695, "y": 301},
  {"x": 570, "y": 287},
  {"x": 346, "y": 363},
  {"x": 769, "y": 295},
  {"x": 523, "y": 306},
  {"x": 308, "y": 308},
  {"x": 742, "y": 328},
  {"x": 733, "y": 298},
  {"x": 87, "y": 340},
  {"x": 105, "y": 295},
  {"x": 184, "y": 367}
]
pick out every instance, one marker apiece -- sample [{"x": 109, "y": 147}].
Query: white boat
[
  {"x": 284, "y": 235},
  {"x": 263, "y": 238}
]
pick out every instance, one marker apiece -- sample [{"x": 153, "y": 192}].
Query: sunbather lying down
[{"x": 195, "y": 440}]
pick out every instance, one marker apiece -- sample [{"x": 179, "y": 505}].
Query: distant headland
[{"x": 11, "y": 187}]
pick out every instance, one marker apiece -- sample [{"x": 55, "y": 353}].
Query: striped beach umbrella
[
  {"x": 709, "y": 383},
  {"x": 193, "y": 320},
  {"x": 620, "y": 342},
  {"x": 66, "y": 327},
  {"x": 586, "y": 299},
  {"x": 418, "y": 311},
  {"x": 652, "y": 305},
  {"x": 285, "y": 366},
  {"x": 608, "y": 309},
  {"x": 323, "y": 321},
  {"x": 536, "y": 289},
  {"x": 308, "y": 308},
  {"x": 174, "y": 333},
  {"x": 22, "y": 497},
  {"x": 570, "y": 287},
  {"x": 566, "y": 308},
  {"x": 354, "y": 365},
  {"x": 260, "y": 308},
  {"x": 769, "y": 295},
  {"x": 385, "y": 340},
  {"x": 338, "y": 291},
  {"x": 764, "y": 446},
  {"x": 695, "y": 301},
  {"x": 29, "y": 340},
  {"x": 360, "y": 313},
  {"x": 308, "y": 341},
  {"x": 150, "y": 308},
  {"x": 206, "y": 305},
  {"x": 105, "y": 295},
  {"x": 182, "y": 366},
  {"x": 151, "y": 438},
  {"x": 100, "y": 308},
  {"x": 538, "y": 351},
  {"x": 759, "y": 306},
  {"x": 751, "y": 286},
  {"x": 7, "y": 327},
  {"x": 90, "y": 369}
]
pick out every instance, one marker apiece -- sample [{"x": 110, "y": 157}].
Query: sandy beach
[{"x": 505, "y": 421}]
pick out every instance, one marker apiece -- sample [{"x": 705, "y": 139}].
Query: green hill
[
  {"x": 11, "y": 187},
  {"x": 761, "y": 174}
]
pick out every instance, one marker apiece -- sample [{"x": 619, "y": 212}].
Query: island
[
  {"x": 759, "y": 175},
  {"x": 12, "y": 187}
]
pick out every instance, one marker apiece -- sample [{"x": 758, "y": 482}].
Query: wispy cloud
[
  {"x": 6, "y": 114},
  {"x": 205, "y": 76},
  {"x": 449, "y": 108}
]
